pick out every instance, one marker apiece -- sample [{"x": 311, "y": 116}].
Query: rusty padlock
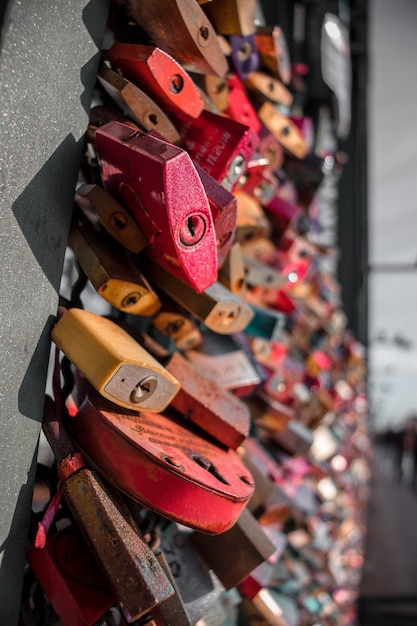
[
  {"x": 131, "y": 567},
  {"x": 235, "y": 553},
  {"x": 235, "y": 17}
]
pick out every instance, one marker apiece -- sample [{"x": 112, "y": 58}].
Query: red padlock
[
  {"x": 219, "y": 145},
  {"x": 239, "y": 106},
  {"x": 161, "y": 187},
  {"x": 166, "y": 467},
  {"x": 223, "y": 206},
  {"x": 159, "y": 75},
  {"x": 71, "y": 578},
  {"x": 204, "y": 402}
]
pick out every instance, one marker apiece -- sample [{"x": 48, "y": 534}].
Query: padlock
[
  {"x": 71, "y": 578},
  {"x": 265, "y": 86},
  {"x": 252, "y": 221},
  {"x": 244, "y": 58},
  {"x": 112, "y": 272},
  {"x": 266, "y": 323},
  {"x": 94, "y": 200},
  {"x": 134, "y": 574},
  {"x": 305, "y": 125},
  {"x": 174, "y": 322},
  {"x": 234, "y": 17},
  {"x": 262, "y": 604},
  {"x": 161, "y": 187},
  {"x": 270, "y": 148},
  {"x": 196, "y": 584},
  {"x": 232, "y": 272},
  {"x": 181, "y": 28},
  {"x": 219, "y": 145},
  {"x": 283, "y": 129},
  {"x": 273, "y": 52},
  {"x": 279, "y": 422},
  {"x": 258, "y": 274},
  {"x": 215, "y": 90},
  {"x": 159, "y": 75},
  {"x": 205, "y": 403},
  {"x": 167, "y": 467},
  {"x": 228, "y": 360},
  {"x": 172, "y": 611},
  {"x": 235, "y": 553},
  {"x": 135, "y": 103},
  {"x": 258, "y": 181},
  {"x": 223, "y": 206},
  {"x": 239, "y": 107},
  {"x": 282, "y": 214},
  {"x": 307, "y": 174},
  {"x": 269, "y": 504},
  {"x": 114, "y": 363},
  {"x": 217, "y": 307}
]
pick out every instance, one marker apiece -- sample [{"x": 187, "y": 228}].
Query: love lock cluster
[{"x": 209, "y": 426}]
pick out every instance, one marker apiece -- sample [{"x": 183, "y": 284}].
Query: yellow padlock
[{"x": 118, "y": 367}]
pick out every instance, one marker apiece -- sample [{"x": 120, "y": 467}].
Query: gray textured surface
[{"x": 48, "y": 62}]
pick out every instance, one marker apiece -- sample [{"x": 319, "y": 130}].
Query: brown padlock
[
  {"x": 232, "y": 17},
  {"x": 112, "y": 272},
  {"x": 235, "y": 553},
  {"x": 181, "y": 28},
  {"x": 135, "y": 103},
  {"x": 131, "y": 567},
  {"x": 94, "y": 201}
]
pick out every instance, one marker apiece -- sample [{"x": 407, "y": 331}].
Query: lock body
[
  {"x": 161, "y": 187},
  {"x": 112, "y": 272},
  {"x": 71, "y": 578},
  {"x": 135, "y": 103},
  {"x": 166, "y": 467},
  {"x": 205, "y": 403},
  {"x": 217, "y": 307},
  {"x": 219, "y": 145},
  {"x": 114, "y": 363},
  {"x": 181, "y": 28},
  {"x": 99, "y": 206},
  {"x": 159, "y": 75}
]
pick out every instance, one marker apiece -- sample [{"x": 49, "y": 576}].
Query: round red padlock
[{"x": 165, "y": 466}]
